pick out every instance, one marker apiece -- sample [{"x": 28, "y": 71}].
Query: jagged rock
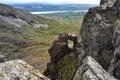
[
  {"x": 64, "y": 60},
  {"x": 59, "y": 47},
  {"x": 117, "y": 5},
  {"x": 19, "y": 70},
  {"x": 91, "y": 70},
  {"x": 114, "y": 69},
  {"x": 103, "y": 1},
  {"x": 97, "y": 31}
]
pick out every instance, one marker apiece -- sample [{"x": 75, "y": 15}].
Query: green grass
[
  {"x": 67, "y": 67},
  {"x": 36, "y": 53}
]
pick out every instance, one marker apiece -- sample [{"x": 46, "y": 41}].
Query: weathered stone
[
  {"x": 59, "y": 47},
  {"x": 97, "y": 31},
  {"x": 64, "y": 60},
  {"x": 103, "y": 2},
  {"x": 91, "y": 70},
  {"x": 117, "y": 5},
  {"x": 114, "y": 68},
  {"x": 19, "y": 70},
  {"x": 41, "y": 26}
]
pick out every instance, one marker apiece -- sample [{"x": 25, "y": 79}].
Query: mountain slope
[{"x": 18, "y": 37}]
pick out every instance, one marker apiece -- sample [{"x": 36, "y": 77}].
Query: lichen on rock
[
  {"x": 19, "y": 70},
  {"x": 97, "y": 31},
  {"x": 91, "y": 70}
]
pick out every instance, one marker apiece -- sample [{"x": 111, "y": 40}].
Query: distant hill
[{"x": 33, "y": 7}]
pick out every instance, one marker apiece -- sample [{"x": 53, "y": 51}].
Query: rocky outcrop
[
  {"x": 103, "y": 2},
  {"x": 97, "y": 31},
  {"x": 19, "y": 70},
  {"x": 100, "y": 39},
  {"x": 91, "y": 70},
  {"x": 14, "y": 21},
  {"x": 64, "y": 60},
  {"x": 41, "y": 26},
  {"x": 114, "y": 69}
]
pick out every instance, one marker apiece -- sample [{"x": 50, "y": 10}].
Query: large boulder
[
  {"x": 19, "y": 70},
  {"x": 97, "y": 31},
  {"x": 91, "y": 70}
]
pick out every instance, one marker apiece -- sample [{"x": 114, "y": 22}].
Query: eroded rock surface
[
  {"x": 64, "y": 60},
  {"x": 114, "y": 69},
  {"x": 97, "y": 31},
  {"x": 91, "y": 70},
  {"x": 19, "y": 70}
]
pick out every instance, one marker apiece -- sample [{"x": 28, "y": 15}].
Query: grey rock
[
  {"x": 19, "y": 70},
  {"x": 64, "y": 60},
  {"x": 97, "y": 31},
  {"x": 59, "y": 47},
  {"x": 117, "y": 5},
  {"x": 14, "y": 21},
  {"x": 91, "y": 70},
  {"x": 114, "y": 68},
  {"x": 41, "y": 26},
  {"x": 103, "y": 2}
]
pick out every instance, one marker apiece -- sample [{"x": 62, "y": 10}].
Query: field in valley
[{"x": 59, "y": 22}]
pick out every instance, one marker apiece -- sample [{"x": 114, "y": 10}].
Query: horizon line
[{"x": 46, "y": 3}]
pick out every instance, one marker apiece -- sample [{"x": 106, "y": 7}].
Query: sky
[{"x": 52, "y": 1}]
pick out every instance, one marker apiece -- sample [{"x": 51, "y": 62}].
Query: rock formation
[
  {"x": 41, "y": 26},
  {"x": 103, "y": 1},
  {"x": 114, "y": 68},
  {"x": 91, "y": 70},
  {"x": 100, "y": 42},
  {"x": 100, "y": 39},
  {"x": 97, "y": 31},
  {"x": 64, "y": 60},
  {"x": 19, "y": 70}
]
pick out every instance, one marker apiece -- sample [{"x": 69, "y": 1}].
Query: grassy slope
[
  {"x": 29, "y": 43},
  {"x": 37, "y": 54},
  {"x": 70, "y": 22}
]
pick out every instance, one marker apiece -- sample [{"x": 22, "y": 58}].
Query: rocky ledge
[
  {"x": 91, "y": 70},
  {"x": 19, "y": 70}
]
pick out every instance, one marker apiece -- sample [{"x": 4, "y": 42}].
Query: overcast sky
[{"x": 53, "y": 1}]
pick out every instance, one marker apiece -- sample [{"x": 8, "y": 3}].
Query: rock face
[
  {"x": 103, "y": 1},
  {"x": 91, "y": 70},
  {"x": 15, "y": 16},
  {"x": 64, "y": 60},
  {"x": 97, "y": 31},
  {"x": 114, "y": 69},
  {"x": 41, "y": 26},
  {"x": 19, "y": 70},
  {"x": 101, "y": 40}
]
